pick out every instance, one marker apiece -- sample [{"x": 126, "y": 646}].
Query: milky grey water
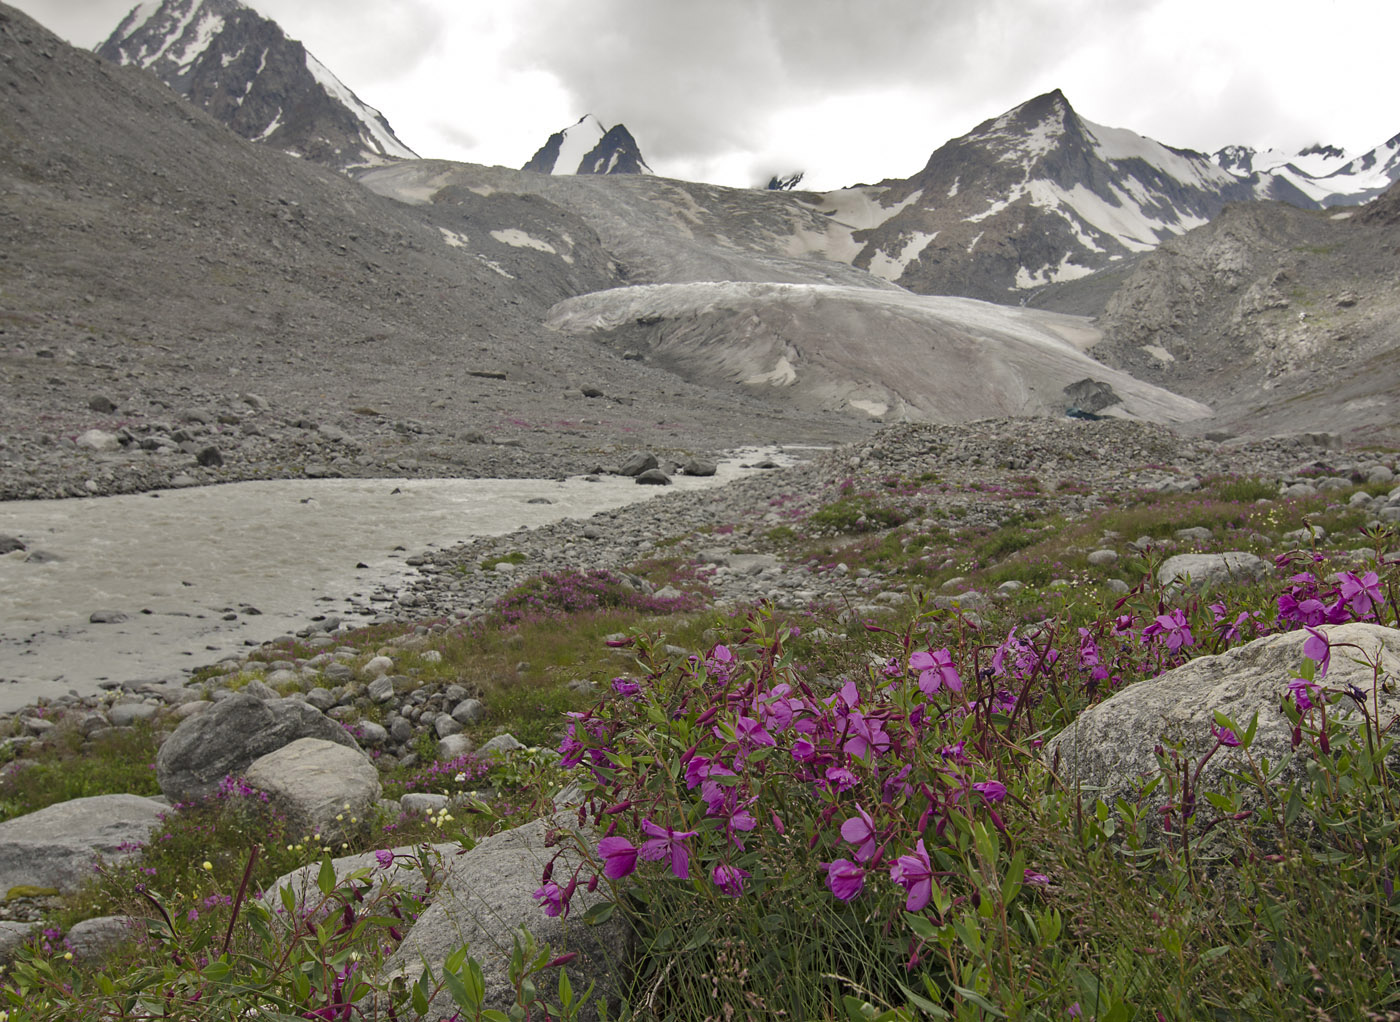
[{"x": 177, "y": 563}]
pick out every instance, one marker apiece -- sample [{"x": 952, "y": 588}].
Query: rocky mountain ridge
[
  {"x": 1270, "y": 309},
  {"x": 228, "y": 59}
]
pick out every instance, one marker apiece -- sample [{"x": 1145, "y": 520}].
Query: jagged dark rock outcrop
[{"x": 585, "y": 147}]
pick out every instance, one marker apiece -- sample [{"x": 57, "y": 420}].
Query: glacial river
[{"x": 184, "y": 565}]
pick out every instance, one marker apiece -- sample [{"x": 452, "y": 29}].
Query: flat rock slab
[
  {"x": 1198, "y": 570},
  {"x": 322, "y": 787},
  {"x": 489, "y": 893},
  {"x": 405, "y": 870},
  {"x": 56, "y": 846}
]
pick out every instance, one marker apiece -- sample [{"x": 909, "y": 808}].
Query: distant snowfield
[{"x": 177, "y": 562}]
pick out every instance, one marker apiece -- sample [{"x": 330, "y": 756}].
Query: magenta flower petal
[
  {"x": 619, "y": 857},
  {"x": 844, "y": 878},
  {"x": 730, "y": 879}
]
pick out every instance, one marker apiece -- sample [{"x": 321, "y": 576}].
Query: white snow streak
[
  {"x": 1122, "y": 144},
  {"x": 892, "y": 268},
  {"x": 207, "y": 30},
  {"x": 141, "y": 14},
  {"x": 579, "y": 140},
  {"x": 519, "y": 239},
  {"x": 373, "y": 121}
]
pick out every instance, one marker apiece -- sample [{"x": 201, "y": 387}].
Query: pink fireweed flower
[
  {"x": 552, "y": 899},
  {"x": 748, "y": 733},
  {"x": 384, "y": 857},
  {"x": 711, "y": 789},
  {"x": 1302, "y": 691},
  {"x": 667, "y": 843},
  {"x": 1225, "y": 737},
  {"x": 844, "y": 878},
  {"x": 936, "y": 671},
  {"x": 1362, "y": 594},
  {"x": 992, "y": 791},
  {"x": 915, "y": 874},
  {"x": 859, "y": 830},
  {"x": 803, "y": 750},
  {"x": 1174, "y": 626},
  {"x": 619, "y": 857},
  {"x": 626, "y": 687},
  {"x": 865, "y": 735},
  {"x": 730, "y": 879},
  {"x": 840, "y": 778},
  {"x": 697, "y": 768},
  {"x": 1317, "y": 648},
  {"x": 736, "y": 816},
  {"x": 845, "y": 700}
]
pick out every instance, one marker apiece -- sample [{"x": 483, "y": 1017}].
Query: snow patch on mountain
[
  {"x": 579, "y": 140},
  {"x": 892, "y": 268},
  {"x": 1189, "y": 168},
  {"x": 376, "y": 132}
]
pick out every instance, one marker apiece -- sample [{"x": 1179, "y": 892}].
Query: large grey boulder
[
  {"x": 1109, "y": 747},
  {"x": 488, "y": 894},
  {"x": 55, "y": 846},
  {"x": 228, "y": 737},
  {"x": 406, "y": 869},
  {"x": 638, "y": 463},
  {"x": 1198, "y": 571},
  {"x": 320, "y": 787}
]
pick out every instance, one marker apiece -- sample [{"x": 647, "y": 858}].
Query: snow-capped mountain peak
[
  {"x": 586, "y": 147},
  {"x": 242, "y": 68},
  {"x": 1322, "y": 174}
]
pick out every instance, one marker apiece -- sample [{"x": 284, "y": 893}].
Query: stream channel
[{"x": 187, "y": 568}]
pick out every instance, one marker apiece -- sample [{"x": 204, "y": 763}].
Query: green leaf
[
  {"x": 301, "y": 985},
  {"x": 1015, "y": 877},
  {"x": 1214, "y": 953},
  {"x": 921, "y": 926},
  {"x": 566, "y": 990},
  {"x": 215, "y": 972},
  {"x": 492, "y": 1015},
  {"x": 453, "y": 962},
  {"x": 599, "y": 913},
  {"x": 325, "y": 879},
  {"x": 460, "y": 993},
  {"x": 923, "y": 1003},
  {"x": 474, "y": 980},
  {"x": 972, "y": 995},
  {"x": 420, "y": 992},
  {"x": 1247, "y": 738},
  {"x": 856, "y": 1008}
]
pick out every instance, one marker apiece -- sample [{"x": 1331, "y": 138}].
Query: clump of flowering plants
[{"x": 812, "y": 845}]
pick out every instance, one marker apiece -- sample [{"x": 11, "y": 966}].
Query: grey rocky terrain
[
  {"x": 179, "y": 289},
  {"x": 1272, "y": 315},
  {"x": 1076, "y": 467}
]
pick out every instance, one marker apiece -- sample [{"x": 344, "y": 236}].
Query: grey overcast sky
[{"x": 731, "y": 91}]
